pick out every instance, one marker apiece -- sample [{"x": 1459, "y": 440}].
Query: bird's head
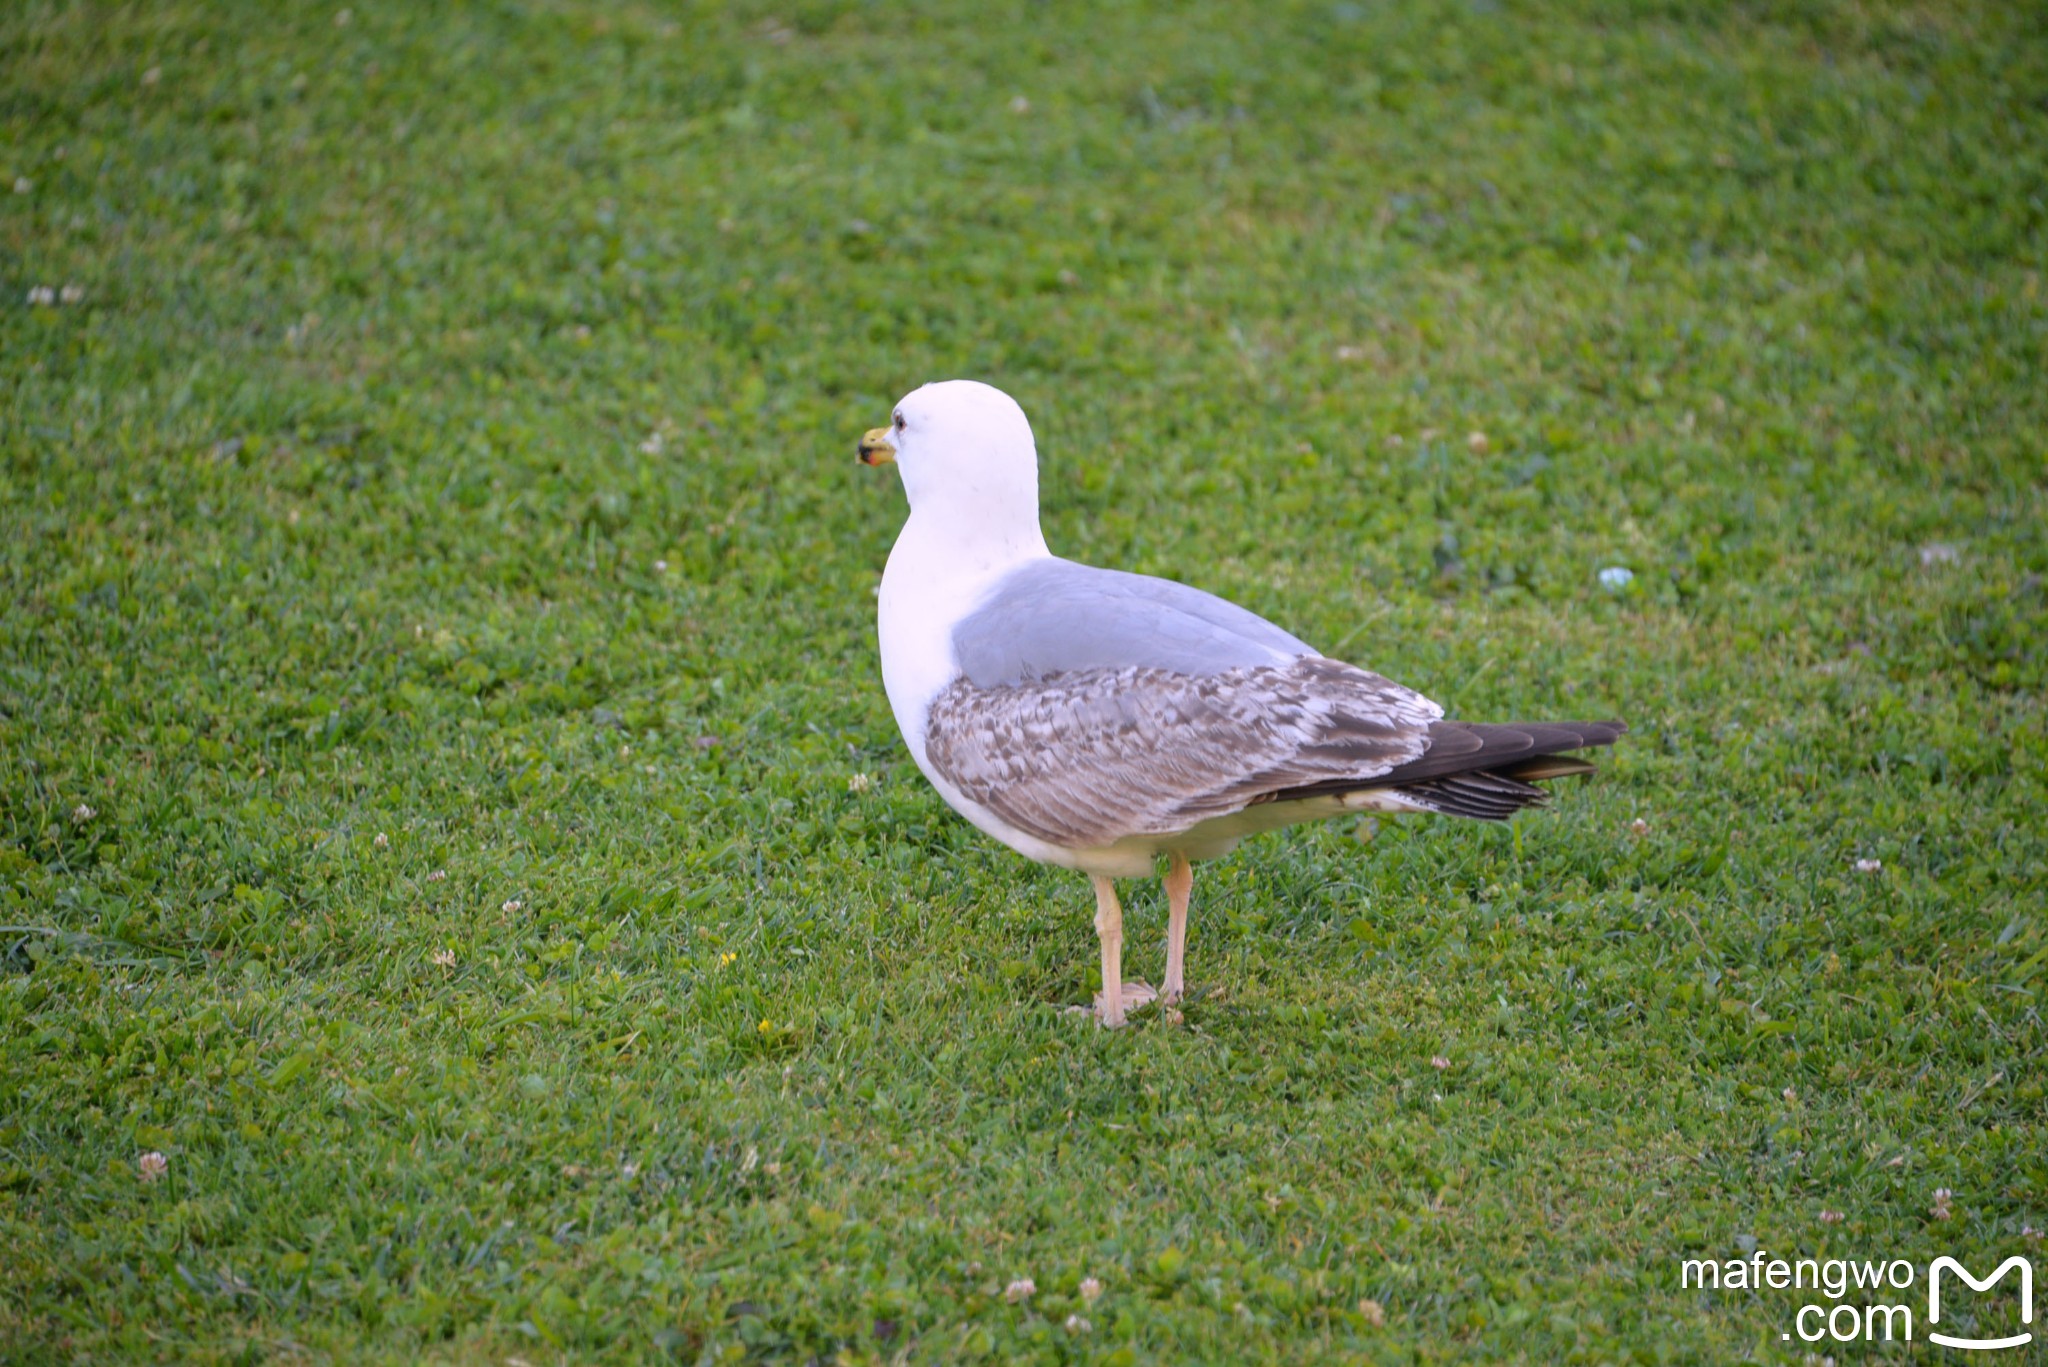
[{"x": 962, "y": 446}]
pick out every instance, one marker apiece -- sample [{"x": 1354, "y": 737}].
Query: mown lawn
[{"x": 437, "y": 672}]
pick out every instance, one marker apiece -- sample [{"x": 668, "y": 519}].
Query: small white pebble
[
  {"x": 152, "y": 1165},
  {"x": 1091, "y": 1289},
  {"x": 509, "y": 907},
  {"x": 1616, "y": 578},
  {"x": 1076, "y": 1324},
  {"x": 1869, "y": 865},
  {"x": 860, "y": 783},
  {"x": 1023, "y": 1289}
]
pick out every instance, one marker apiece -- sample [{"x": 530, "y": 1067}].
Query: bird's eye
[{"x": 899, "y": 422}]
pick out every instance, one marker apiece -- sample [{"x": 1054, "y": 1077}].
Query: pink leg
[
  {"x": 1180, "y": 881},
  {"x": 1109, "y": 929}
]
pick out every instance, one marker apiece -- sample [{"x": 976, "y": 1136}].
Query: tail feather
[
  {"x": 1481, "y": 795},
  {"x": 1485, "y": 771}
]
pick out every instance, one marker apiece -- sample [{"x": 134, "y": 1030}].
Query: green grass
[{"x": 333, "y": 525}]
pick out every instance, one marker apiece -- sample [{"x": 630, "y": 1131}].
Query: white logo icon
[{"x": 2026, "y": 1300}]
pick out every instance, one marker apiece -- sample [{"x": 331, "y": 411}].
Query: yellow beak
[{"x": 878, "y": 448}]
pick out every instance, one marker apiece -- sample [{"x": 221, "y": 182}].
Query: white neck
[{"x": 943, "y": 564}]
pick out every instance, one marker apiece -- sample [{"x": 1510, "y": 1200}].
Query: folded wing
[{"x": 1083, "y": 758}]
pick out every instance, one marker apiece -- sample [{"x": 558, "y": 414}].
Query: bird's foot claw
[{"x": 1135, "y": 995}]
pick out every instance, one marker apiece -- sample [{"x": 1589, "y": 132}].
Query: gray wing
[
  {"x": 1084, "y": 757},
  {"x": 1055, "y": 616}
]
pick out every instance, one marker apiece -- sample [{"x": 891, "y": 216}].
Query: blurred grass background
[{"x": 437, "y": 672}]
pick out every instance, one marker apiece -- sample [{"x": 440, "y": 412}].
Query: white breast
[{"x": 936, "y": 576}]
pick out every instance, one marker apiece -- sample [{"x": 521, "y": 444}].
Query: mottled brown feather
[{"x": 1084, "y": 758}]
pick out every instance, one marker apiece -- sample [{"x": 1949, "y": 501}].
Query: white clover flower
[
  {"x": 1019, "y": 105},
  {"x": 444, "y": 958},
  {"x": 1439, "y": 1062},
  {"x": 860, "y": 783},
  {"x": 41, "y": 296},
  {"x": 1019, "y": 1291},
  {"x": 72, "y": 294},
  {"x": 1372, "y": 1312},
  {"x": 1091, "y": 1289},
  {"x": 1831, "y": 1217},
  {"x": 382, "y": 842},
  {"x": 511, "y": 906},
  {"x": 1615, "y": 578},
  {"x": 1869, "y": 865},
  {"x": 152, "y": 1165},
  {"x": 1477, "y": 443},
  {"x": 1076, "y": 1324},
  {"x": 22, "y": 185}
]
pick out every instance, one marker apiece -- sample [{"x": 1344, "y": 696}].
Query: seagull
[{"x": 1102, "y": 721}]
